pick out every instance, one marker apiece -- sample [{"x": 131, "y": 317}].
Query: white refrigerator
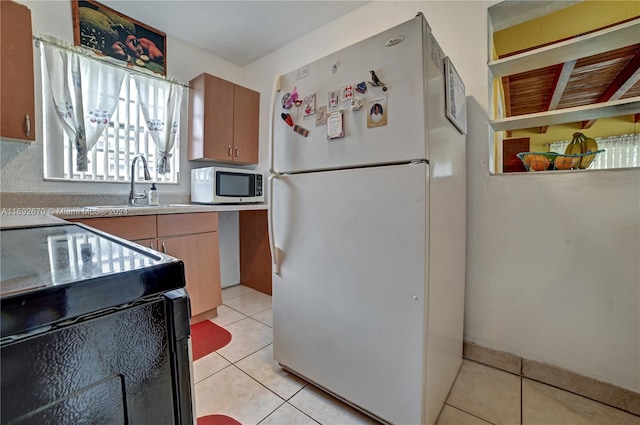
[{"x": 367, "y": 220}]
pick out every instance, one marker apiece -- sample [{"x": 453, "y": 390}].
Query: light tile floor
[{"x": 243, "y": 381}]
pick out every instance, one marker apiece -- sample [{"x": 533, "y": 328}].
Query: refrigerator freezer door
[
  {"x": 349, "y": 301},
  {"x": 399, "y": 66}
]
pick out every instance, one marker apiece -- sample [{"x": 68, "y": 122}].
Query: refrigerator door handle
[
  {"x": 274, "y": 93},
  {"x": 275, "y": 251}
]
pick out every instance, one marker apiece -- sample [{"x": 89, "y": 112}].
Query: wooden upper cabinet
[
  {"x": 210, "y": 118},
  {"x": 17, "y": 108},
  {"x": 223, "y": 121},
  {"x": 246, "y": 120}
]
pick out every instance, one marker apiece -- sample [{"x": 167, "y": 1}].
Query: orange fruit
[
  {"x": 539, "y": 162},
  {"x": 527, "y": 158},
  {"x": 564, "y": 162}
]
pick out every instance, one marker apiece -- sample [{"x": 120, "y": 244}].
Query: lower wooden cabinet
[
  {"x": 131, "y": 228},
  {"x": 148, "y": 243},
  {"x": 255, "y": 254},
  {"x": 191, "y": 237},
  {"x": 200, "y": 253}
]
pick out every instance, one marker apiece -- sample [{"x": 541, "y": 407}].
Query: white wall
[
  {"x": 21, "y": 169},
  {"x": 553, "y": 260},
  {"x": 553, "y": 263},
  {"x": 53, "y": 18}
]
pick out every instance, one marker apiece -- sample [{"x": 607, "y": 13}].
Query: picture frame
[
  {"x": 455, "y": 99},
  {"x": 110, "y": 33},
  {"x": 377, "y": 112}
]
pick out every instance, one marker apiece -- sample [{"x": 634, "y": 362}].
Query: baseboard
[
  {"x": 498, "y": 359},
  {"x": 602, "y": 392},
  {"x": 209, "y": 314}
]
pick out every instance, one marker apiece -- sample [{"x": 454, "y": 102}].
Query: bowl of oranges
[{"x": 543, "y": 161}]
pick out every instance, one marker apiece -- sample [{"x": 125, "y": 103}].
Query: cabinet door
[
  {"x": 148, "y": 243},
  {"x": 185, "y": 224},
  {"x": 17, "y": 108},
  {"x": 210, "y": 118},
  {"x": 255, "y": 254},
  {"x": 246, "y": 116},
  {"x": 201, "y": 256},
  {"x": 131, "y": 228}
]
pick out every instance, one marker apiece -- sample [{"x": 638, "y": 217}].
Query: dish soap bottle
[{"x": 153, "y": 195}]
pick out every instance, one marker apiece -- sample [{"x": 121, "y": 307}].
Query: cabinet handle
[
  {"x": 230, "y": 156},
  {"x": 164, "y": 248},
  {"x": 237, "y": 152},
  {"x": 27, "y": 125}
]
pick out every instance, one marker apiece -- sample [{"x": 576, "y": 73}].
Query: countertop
[
  {"x": 16, "y": 221},
  {"x": 125, "y": 210},
  {"x": 30, "y": 217}
]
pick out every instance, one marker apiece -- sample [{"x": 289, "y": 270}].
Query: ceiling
[
  {"x": 243, "y": 31},
  {"x": 598, "y": 78},
  {"x": 238, "y": 31}
]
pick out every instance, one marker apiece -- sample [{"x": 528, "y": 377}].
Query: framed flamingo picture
[{"x": 110, "y": 33}]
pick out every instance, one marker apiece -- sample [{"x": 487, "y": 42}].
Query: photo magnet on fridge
[
  {"x": 287, "y": 103},
  {"x": 377, "y": 112},
  {"x": 346, "y": 93},
  {"x": 335, "y": 127},
  {"x": 300, "y": 130},
  {"x": 334, "y": 98},
  {"x": 321, "y": 115},
  {"x": 309, "y": 105}
]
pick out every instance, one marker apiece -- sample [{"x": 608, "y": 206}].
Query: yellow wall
[
  {"x": 603, "y": 127},
  {"x": 570, "y": 21},
  {"x": 567, "y": 22}
]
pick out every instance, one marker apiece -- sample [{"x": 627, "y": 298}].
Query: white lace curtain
[
  {"x": 163, "y": 118},
  {"x": 85, "y": 93},
  {"x": 620, "y": 151}
]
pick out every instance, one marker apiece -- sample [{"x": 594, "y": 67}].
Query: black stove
[{"x": 94, "y": 329}]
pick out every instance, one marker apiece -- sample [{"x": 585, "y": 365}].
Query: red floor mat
[
  {"x": 207, "y": 337},
  {"x": 217, "y": 420}
]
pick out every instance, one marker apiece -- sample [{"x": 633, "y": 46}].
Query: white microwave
[{"x": 218, "y": 185}]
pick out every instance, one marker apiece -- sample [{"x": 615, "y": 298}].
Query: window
[
  {"x": 564, "y": 67},
  {"x": 619, "y": 151},
  {"x": 128, "y": 131}
]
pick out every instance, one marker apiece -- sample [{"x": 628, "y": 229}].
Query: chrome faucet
[{"x": 133, "y": 195}]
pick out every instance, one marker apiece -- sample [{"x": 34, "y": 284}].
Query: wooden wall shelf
[
  {"x": 562, "y": 116},
  {"x": 625, "y": 34}
]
